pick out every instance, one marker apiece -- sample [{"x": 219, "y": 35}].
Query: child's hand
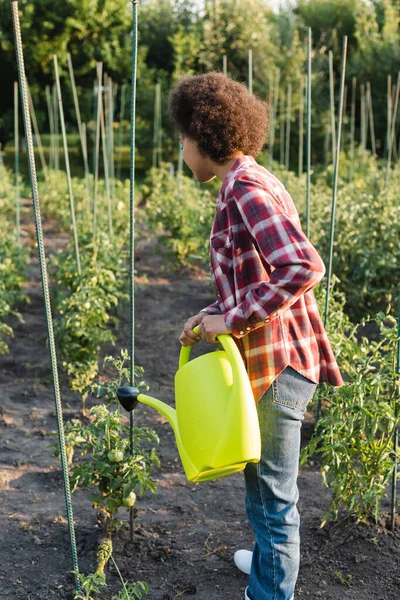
[
  {"x": 187, "y": 337},
  {"x": 211, "y": 326}
]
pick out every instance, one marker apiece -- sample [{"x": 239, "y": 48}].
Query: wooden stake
[
  {"x": 79, "y": 121},
  {"x": 308, "y": 113},
  {"x": 67, "y": 168},
  {"x": 106, "y": 168},
  {"x": 288, "y": 123},
  {"x": 16, "y": 151},
  {"x": 371, "y": 119},
  {"x": 332, "y": 104},
  {"x": 362, "y": 125},
  {"x": 334, "y": 192},
  {"x": 56, "y": 131},
  {"x": 121, "y": 129},
  {"x": 335, "y": 180},
  {"x": 51, "y": 126},
  {"x": 393, "y": 128},
  {"x": 273, "y": 119},
  {"x": 389, "y": 114},
  {"x": 282, "y": 129},
  {"x": 352, "y": 125},
  {"x": 37, "y": 134},
  {"x": 251, "y": 71},
  {"x": 301, "y": 125},
  {"x": 225, "y": 65},
  {"x": 99, "y": 67}
]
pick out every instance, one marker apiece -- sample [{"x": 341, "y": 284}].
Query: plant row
[{"x": 13, "y": 261}]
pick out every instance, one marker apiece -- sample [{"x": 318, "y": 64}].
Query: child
[{"x": 263, "y": 270}]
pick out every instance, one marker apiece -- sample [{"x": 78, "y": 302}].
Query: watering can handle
[{"x": 226, "y": 342}]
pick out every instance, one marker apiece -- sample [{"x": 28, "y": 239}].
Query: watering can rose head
[{"x": 128, "y": 397}]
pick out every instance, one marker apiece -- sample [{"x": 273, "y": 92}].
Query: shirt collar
[{"x": 239, "y": 162}]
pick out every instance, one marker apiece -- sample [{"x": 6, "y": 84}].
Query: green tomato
[
  {"x": 129, "y": 500},
  {"x": 115, "y": 456}
]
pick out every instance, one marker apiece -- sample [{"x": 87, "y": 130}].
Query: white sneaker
[{"x": 242, "y": 559}]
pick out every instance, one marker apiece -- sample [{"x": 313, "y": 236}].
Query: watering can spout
[{"x": 129, "y": 397}]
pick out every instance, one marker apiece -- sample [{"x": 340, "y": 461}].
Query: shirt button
[
  {"x": 241, "y": 332},
  {"x": 248, "y": 328}
]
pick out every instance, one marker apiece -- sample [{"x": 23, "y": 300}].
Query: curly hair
[{"x": 220, "y": 115}]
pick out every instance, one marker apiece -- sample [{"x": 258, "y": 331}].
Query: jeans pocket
[{"x": 292, "y": 389}]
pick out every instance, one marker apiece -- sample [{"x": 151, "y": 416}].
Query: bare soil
[{"x": 185, "y": 536}]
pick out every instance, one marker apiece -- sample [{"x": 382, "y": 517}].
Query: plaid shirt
[{"x": 263, "y": 269}]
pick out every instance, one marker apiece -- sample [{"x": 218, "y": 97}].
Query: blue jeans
[{"x": 271, "y": 488}]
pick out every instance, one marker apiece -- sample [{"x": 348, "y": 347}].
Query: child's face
[{"x": 200, "y": 166}]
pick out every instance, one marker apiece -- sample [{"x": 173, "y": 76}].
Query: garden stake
[
  {"x": 344, "y": 119},
  {"x": 308, "y": 112},
  {"x": 16, "y": 151},
  {"x": 275, "y": 96},
  {"x": 352, "y": 125},
  {"x": 97, "y": 146},
  {"x": 288, "y": 123},
  {"x": 159, "y": 121},
  {"x": 225, "y": 65},
  {"x": 111, "y": 135},
  {"x": 389, "y": 114},
  {"x": 37, "y": 134},
  {"x": 362, "y": 126},
  {"x": 157, "y": 127},
  {"x": 362, "y": 116},
  {"x": 56, "y": 141},
  {"x": 326, "y": 147},
  {"x": 270, "y": 88},
  {"x": 393, "y": 128},
  {"x": 301, "y": 125},
  {"x": 371, "y": 118},
  {"x": 106, "y": 171},
  {"x": 180, "y": 168},
  {"x": 397, "y": 415},
  {"x": 394, "y": 149},
  {"x": 282, "y": 129},
  {"x": 94, "y": 118},
  {"x": 132, "y": 225},
  {"x": 121, "y": 129},
  {"x": 332, "y": 105},
  {"x": 366, "y": 121},
  {"x": 334, "y": 192},
  {"x": 67, "y": 168},
  {"x": 251, "y": 71},
  {"x": 78, "y": 117},
  {"x": 106, "y": 116},
  {"x": 51, "y": 126},
  {"x": 45, "y": 286}
]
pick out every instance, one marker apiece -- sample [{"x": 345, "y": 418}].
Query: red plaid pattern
[{"x": 264, "y": 269}]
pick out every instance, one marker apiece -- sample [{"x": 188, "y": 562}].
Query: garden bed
[{"x": 185, "y": 536}]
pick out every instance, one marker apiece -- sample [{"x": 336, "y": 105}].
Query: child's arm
[{"x": 296, "y": 266}]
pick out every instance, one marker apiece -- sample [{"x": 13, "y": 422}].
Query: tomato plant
[
  {"x": 355, "y": 434},
  {"x": 13, "y": 260},
  {"x": 107, "y": 464},
  {"x": 86, "y": 306}
]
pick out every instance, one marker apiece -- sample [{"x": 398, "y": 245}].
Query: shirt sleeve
[
  {"x": 296, "y": 266},
  {"x": 212, "y": 309}
]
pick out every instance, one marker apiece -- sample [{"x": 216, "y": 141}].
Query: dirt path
[{"x": 187, "y": 533}]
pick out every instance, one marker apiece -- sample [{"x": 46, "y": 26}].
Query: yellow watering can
[{"x": 215, "y": 421}]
